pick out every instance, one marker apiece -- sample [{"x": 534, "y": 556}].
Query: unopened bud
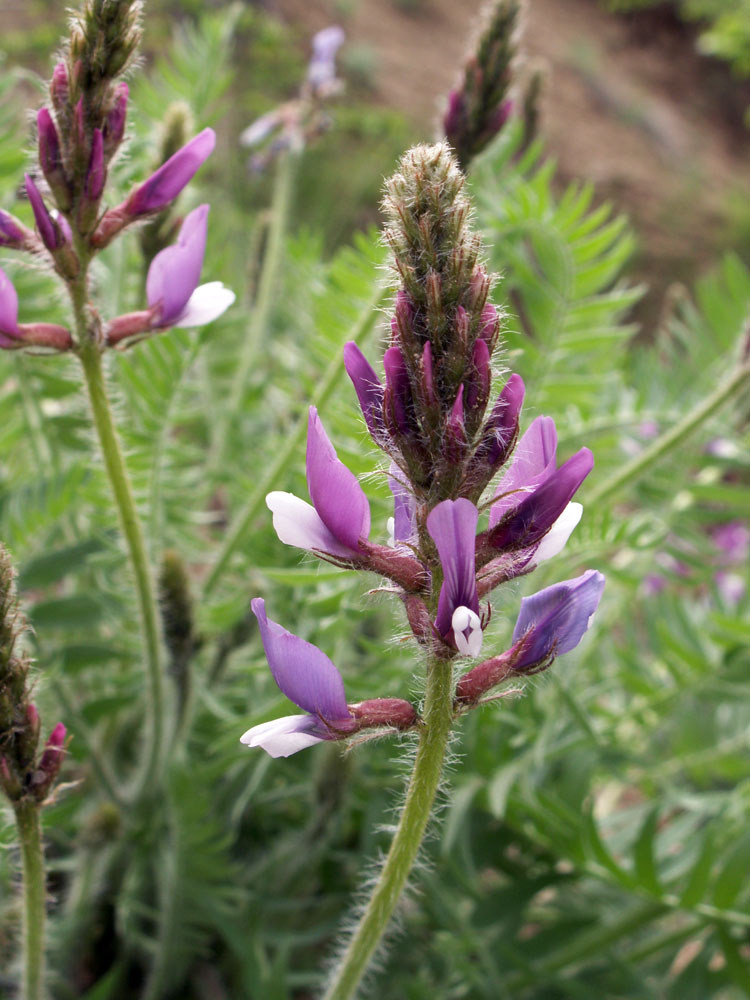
[
  {"x": 49, "y": 229},
  {"x": 14, "y": 235},
  {"x": 114, "y": 123},
  {"x": 455, "y": 431},
  {"x": 50, "y": 159},
  {"x": 59, "y": 90}
]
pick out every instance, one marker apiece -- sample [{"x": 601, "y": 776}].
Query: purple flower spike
[
  {"x": 49, "y": 230},
  {"x": 167, "y": 182},
  {"x": 555, "y": 620},
  {"x": 452, "y": 526},
  {"x": 308, "y": 678},
  {"x": 172, "y": 288},
  {"x": 9, "y": 332},
  {"x": 368, "y": 387},
  {"x": 340, "y": 514}
]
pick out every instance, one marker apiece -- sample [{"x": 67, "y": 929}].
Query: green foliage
[{"x": 594, "y": 836}]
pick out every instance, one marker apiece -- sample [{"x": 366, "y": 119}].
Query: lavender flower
[
  {"x": 308, "y": 678},
  {"x": 340, "y": 514},
  {"x": 172, "y": 289},
  {"x": 554, "y": 620},
  {"x": 532, "y": 510},
  {"x": 163, "y": 186},
  {"x": 321, "y": 72},
  {"x": 452, "y": 526}
]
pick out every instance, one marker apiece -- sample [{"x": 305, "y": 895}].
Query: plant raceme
[{"x": 432, "y": 416}]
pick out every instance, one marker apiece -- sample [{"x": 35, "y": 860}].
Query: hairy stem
[
  {"x": 420, "y": 797},
  {"x": 114, "y": 461},
  {"x": 32, "y": 858},
  {"x": 673, "y": 438},
  {"x": 288, "y": 453}
]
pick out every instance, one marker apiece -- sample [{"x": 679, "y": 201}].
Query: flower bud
[
  {"x": 50, "y": 160},
  {"x": 59, "y": 89},
  {"x": 392, "y": 712},
  {"x": 49, "y": 229},
  {"x": 114, "y": 123},
  {"x": 14, "y": 235}
]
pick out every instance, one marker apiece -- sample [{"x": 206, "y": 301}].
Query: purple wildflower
[
  {"x": 321, "y": 72},
  {"x": 554, "y": 620},
  {"x": 532, "y": 510},
  {"x": 340, "y": 514},
  {"x": 308, "y": 678},
  {"x": 163, "y": 186},
  {"x": 452, "y": 526},
  {"x": 172, "y": 286}
]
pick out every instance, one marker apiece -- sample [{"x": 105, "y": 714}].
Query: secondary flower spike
[
  {"x": 340, "y": 514},
  {"x": 452, "y": 526}
]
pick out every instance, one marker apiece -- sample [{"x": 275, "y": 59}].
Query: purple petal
[
  {"x": 452, "y": 526},
  {"x": 11, "y": 234},
  {"x": 322, "y": 67},
  {"x": 528, "y": 522},
  {"x": 534, "y": 461},
  {"x": 334, "y": 490},
  {"x": 404, "y": 507},
  {"x": 368, "y": 387},
  {"x": 175, "y": 272},
  {"x": 285, "y": 736},
  {"x": 8, "y": 306},
  {"x": 555, "y": 620},
  {"x": 165, "y": 184},
  {"x": 302, "y": 671},
  {"x": 397, "y": 398}
]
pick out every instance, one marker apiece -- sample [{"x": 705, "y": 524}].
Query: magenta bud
[
  {"x": 428, "y": 377},
  {"x": 479, "y": 383},
  {"x": 392, "y": 712},
  {"x": 489, "y": 326},
  {"x": 455, "y": 430},
  {"x": 32, "y": 715},
  {"x": 368, "y": 387},
  {"x": 52, "y": 757},
  {"x": 167, "y": 182},
  {"x": 50, "y": 159},
  {"x": 501, "y": 430},
  {"x": 453, "y": 117},
  {"x": 96, "y": 173},
  {"x": 59, "y": 89},
  {"x": 114, "y": 124},
  {"x": 12, "y": 233},
  {"x": 461, "y": 325},
  {"x": 50, "y": 231},
  {"x": 397, "y": 401}
]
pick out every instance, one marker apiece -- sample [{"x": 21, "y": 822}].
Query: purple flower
[
  {"x": 9, "y": 332},
  {"x": 339, "y": 515},
  {"x": 167, "y": 182},
  {"x": 308, "y": 678},
  {"x": 368, "y": 387},
  {"x": 321, "y": 72},
  {"x": 555, "y": 620},
  {"x": 172, "y": 286},
  {"x": 452, "y": 526},
  {"x": 533, "y": 509}
]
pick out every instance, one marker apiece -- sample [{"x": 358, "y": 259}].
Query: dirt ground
[{"x": 628, "y": 103}]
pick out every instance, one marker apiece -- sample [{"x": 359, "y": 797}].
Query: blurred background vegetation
[{"x": 595, "y": 838}]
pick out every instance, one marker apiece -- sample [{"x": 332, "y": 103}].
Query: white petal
[
  {"x": 390, "y": 525},
  {"x": 461, "y": 618},
  {"x": 462, "y": 644},
  {"x": 557, "y": 536},
  {"x": 279, "y": 737},
  {"x": 206, "y": 304},
  {"x": 298, "y": 523},
  {"x": 475, "y": 642},
  {"x": 259, "y": 129}
]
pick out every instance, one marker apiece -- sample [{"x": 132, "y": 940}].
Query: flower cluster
[
  {"x": 291, "y": 125},
  {"x": 433, "y": 416},
  {"x": 78, "y": 137},
  {"x": 26, "y": 772}
]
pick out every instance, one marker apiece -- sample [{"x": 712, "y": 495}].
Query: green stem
[
  {"x": 236, "y": 532},
  {"x": 634, "y": 469},
  {"x": 32, "y": 858},
  {"x": 267, "y": 286},
  {"x": 420, "y": 796},
  {"x": 91, "y": 360}
]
